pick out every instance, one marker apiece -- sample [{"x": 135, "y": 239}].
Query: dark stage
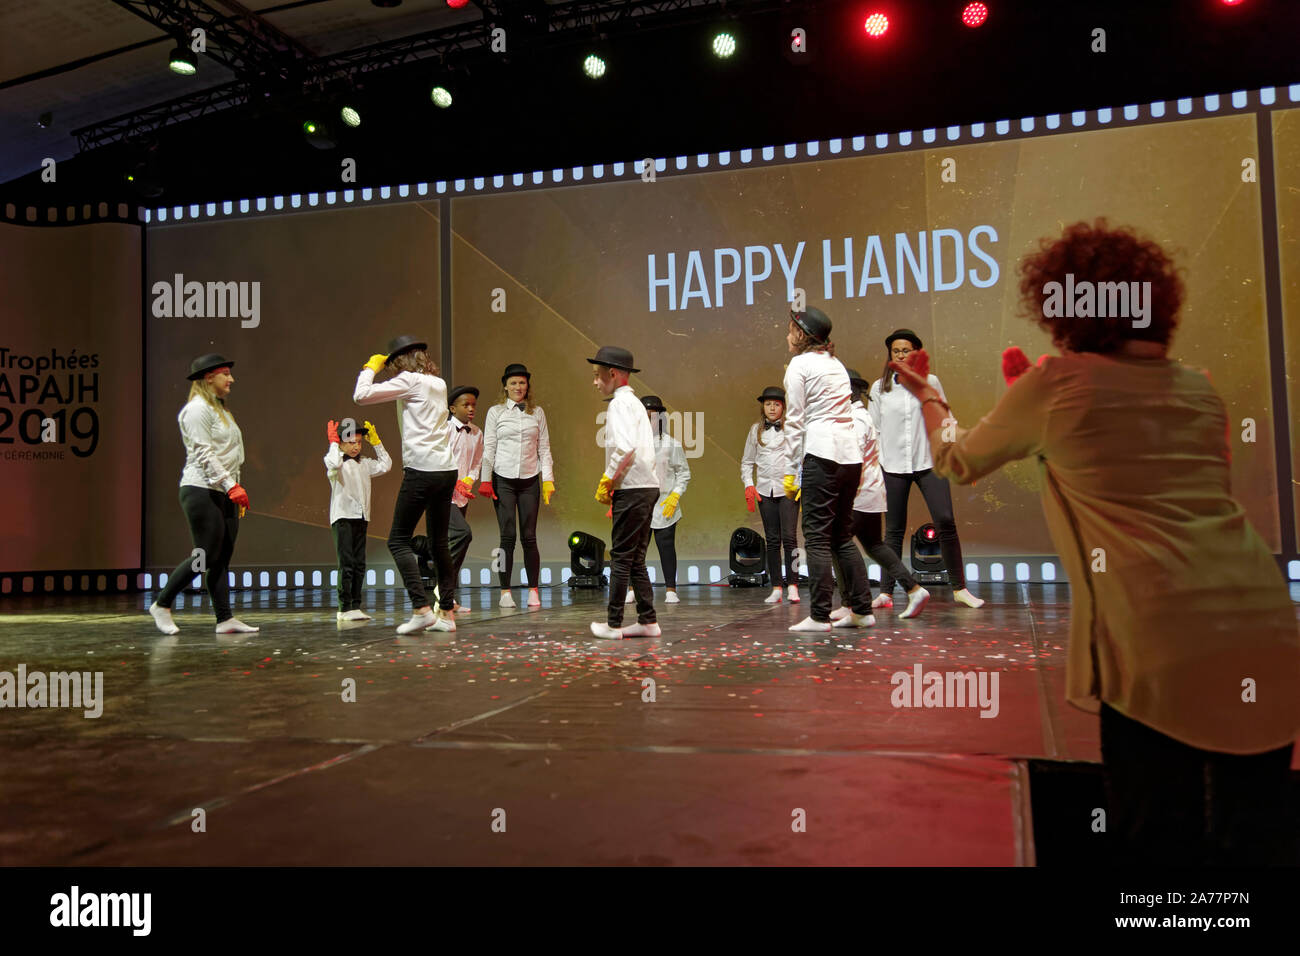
[{"x": 521, "y": 739}]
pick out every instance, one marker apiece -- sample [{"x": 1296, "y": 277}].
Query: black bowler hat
[
  {"x": 856, "y": 380},
  {"x": 653, "y": 404},
  {"x": 813, "y": 321},
  {"x": 904, "y": 334},
  {"x": 460, "y": 390},
  {"x": 404, "y": 343},
  {"x": 614, "y": 357},
  {"x": 773, "y": 393},
  {"x": 516, "y": 369},
  {"x": 206, "y": 363}
]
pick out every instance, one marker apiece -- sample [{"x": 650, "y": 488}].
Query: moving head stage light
[
  {"x": 586, "y": 561},
  {"x": 746, "y": 557},
  {"x": 927, "y": 559}
]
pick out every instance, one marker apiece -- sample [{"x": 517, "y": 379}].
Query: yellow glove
[
  {"x": 791, "y": 489},
  {"x": 548, "y": 489},
  {"x": 372, "y": 434},
  {"x": 670, "y": 504},
  {"x": 376, "y": 362},
  {"x": 605, "y": 490}
]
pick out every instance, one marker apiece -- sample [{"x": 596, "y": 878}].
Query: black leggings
[
  {"x": 1172, "y": 804},
  {"x": 938, "y": 498},
  {"x": 214, "y": 525},
  {"x": 424, "y": 494},
  {"x": 525, "y": 496},
  {"x": 866, "y": 528},
  {"x": 780, "y": 522},
  {"x": 350, "y": 546},
  {"x": 666, "y": 542}
]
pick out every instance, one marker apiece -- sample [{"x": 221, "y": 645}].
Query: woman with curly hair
[{"x": 1197, "y": 684}]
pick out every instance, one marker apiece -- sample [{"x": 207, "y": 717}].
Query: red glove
[
  {"x": 752, "y": 497},
  {"x": 1014, "y": 364},
  {"x": 239, "y": 496},
  {"x": 919, "y": 362},
  {"x": 332, "y": 432},
  {"x": 485, "y": 489},
  {"x": 610, "y": 512}
]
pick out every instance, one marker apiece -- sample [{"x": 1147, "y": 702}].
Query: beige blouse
[{"x": 1189, "y": 628}]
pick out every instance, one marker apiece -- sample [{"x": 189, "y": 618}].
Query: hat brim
[
  {"x": 195, "y": 376},
  {"x": 406, "y": 348},
  {"x": 624, "y": 368}
]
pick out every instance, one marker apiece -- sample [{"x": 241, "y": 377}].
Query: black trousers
[
  {"x": 866, "y": 528},
  {"x": 458, "y": 538},
  {"x": 828, "y": 492},
  {"x": 1176, "y": 805},
  {"x": 214, "y": 526},
  {"x": 938, "y": 498},
  {"x": 424, "y": 494},
  {"x": 350, "y": 545},
  {"x": 523, "y": 495},
  {"x": 780, "y": 525},
  {"x": 666, "y": 542},
  {"x": 630, "y": 539}
]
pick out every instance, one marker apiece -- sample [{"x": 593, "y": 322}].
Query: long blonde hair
[{"x": 202, "y": 388}]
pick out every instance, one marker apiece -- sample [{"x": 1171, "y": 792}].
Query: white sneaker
[
  {"x": 631, "y": 597},
  {"x": 793, "y": 594},
  {"x": 915, "y": 601},
  {"x": 840, "y": 613},
  {"x": 234, "y": 626},
  {"x": 418, "y": 622},
  {"x": 883, "y": 600},
  {"x": 641, "y": 630},
  {"x": 601, "y": 629},
  {"x": 855, "y": 620},
  {"x": 162, "y": 616},
  {"x": 534, "y": 599},
  {"x": 507, "y": 600},
  {"x": 774, "y": 597},
  {"x": 355, "y": 615},
  {"x": 963, "y": 596},
  {"x": 808, "y": 624},
  {"x": 444, "y": 621},
  {"x": 672, "y": 598}
]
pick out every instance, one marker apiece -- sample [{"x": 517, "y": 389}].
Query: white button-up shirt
[
  {"x": 467, "y": 449},
  {"x": 771, "y": 459},
  {"x": 214, "y": 446},
  {"x": 871, "y": 489},
  {"x": 350, "y": 481},
  {"x": 904, "y": 445},
  {"x": 673, "y": 474},
  {"x": 515, "y": 443},
  {"x": 627, "y": 433},
  {"x": 818, "y": 414},
  {"x": 422, "y": 416}
]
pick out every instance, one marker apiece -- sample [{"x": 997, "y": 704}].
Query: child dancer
[
  {"x": 349, "y": 476},
  {"x": 630, "y": 486},
  {"x": 905, "y": 459},
  {"x": 428, "y": 472},
  {"x": 467, "y": 448},
  {"x": 767, "y": 451},
  {"x": 673, "y": 474},
  {"x": 870, "y": 504},
  {"x": 517, "y": 473},
  {"x": 819, "y": 428}
]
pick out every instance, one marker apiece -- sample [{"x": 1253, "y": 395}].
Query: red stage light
[
  {"x": 456, "y": 4},
  {"x": 876, "y": 25},
  {"x": 1231, "y": 3},
  {"x": 974, "y": 14},
  {"x": 929, "y": 532}
]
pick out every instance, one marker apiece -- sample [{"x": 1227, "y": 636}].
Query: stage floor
[{"x": 522, "y": 739}]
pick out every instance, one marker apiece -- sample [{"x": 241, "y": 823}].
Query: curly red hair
[{"x": 1097, "y": 253}]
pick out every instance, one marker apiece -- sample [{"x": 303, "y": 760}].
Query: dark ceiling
[{"x": 664, "y": 94}]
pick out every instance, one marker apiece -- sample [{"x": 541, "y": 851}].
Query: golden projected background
[
  {"x": 572, "y": 265},
  {"x": 1286, "y": 153}
]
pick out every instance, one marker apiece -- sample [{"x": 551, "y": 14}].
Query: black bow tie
[
  {"x": 462, "y": 428},
  {"x": 776, "y": 425}
]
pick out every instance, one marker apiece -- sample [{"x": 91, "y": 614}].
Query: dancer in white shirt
[
  {"x": 819, "y": 428},
  {"x": 630, "y": 487},
  {"x": 211, "y": 496},
  {"x": 905, "y": 459},
  {"x": 517, "y": 470},
  {"x": 768, "y": 454},
  {"x": 349, "y": 476},
  {"x": 869, "y": 505},
  {"x": 467, "y": 448},
  {"x": 674, "y": 475},
  {"x": 428, "y": 472}
]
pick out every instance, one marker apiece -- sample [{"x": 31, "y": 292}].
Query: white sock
[
  {"x": 963, "y": 596},
  {"x": 162, "y": 616},
  {"x": 808, "y": 624},
  {"x": 774, "y": 597}
]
